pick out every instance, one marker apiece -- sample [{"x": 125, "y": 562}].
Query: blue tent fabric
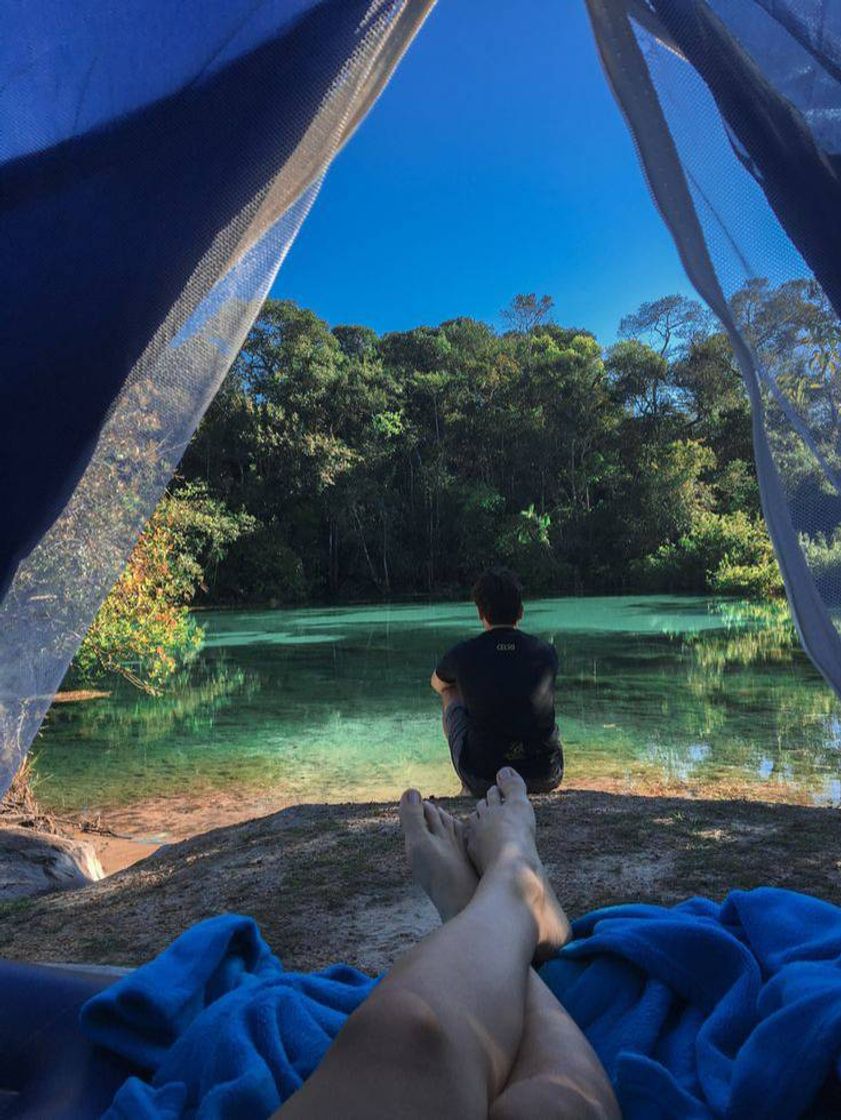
[
  {"x": 117, "y": 219},
  {"x": 801, "y": 178},
  {"x": 735, "y": 108},
  {"x": 699, "y": 1011},
  {"x": 156, "y": 163}
]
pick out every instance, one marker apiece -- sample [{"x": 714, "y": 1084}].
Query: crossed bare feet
[
  {"x": 448, "y": 858},
  {"x": 436, "y": 847}
]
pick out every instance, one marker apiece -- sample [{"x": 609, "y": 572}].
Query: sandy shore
[
  {"x": 329, "y": 882},
  {"x": 123, "y": 836}
]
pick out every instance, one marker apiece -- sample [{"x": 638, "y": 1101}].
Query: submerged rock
[{"x": 36, "y": 862}]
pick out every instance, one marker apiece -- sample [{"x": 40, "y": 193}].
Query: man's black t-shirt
[{"x": 507, "y": 681}]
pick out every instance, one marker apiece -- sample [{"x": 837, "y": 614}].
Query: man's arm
[
  {"x": 439, "y": 685},
  {"x": 445, "y": 675}
]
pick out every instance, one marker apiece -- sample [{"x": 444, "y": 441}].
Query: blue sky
[{"x": 495, "y": 162}]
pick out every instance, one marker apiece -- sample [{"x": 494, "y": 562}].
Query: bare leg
[
  {"x": 556, "y": 1074},
  {"x": 494, "y": 827},
  {"x": 438, "y": 1037}
]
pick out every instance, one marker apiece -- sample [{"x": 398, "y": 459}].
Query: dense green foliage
[
  {"x": 144, "y": 631},
  {"x": 341, "y": 465},
  {"x": 402, "y": 464}
]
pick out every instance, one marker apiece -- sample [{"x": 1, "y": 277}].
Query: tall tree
[{"x": 527, "y": 311}]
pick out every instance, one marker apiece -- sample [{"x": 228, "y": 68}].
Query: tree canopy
[
  {"x": 342, "y": 465},
  {"x": 401, "y": 464}
]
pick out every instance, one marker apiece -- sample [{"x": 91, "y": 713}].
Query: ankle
[{"x": 517, "y": 873}]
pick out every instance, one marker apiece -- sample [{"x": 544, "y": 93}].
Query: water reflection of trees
[
  {"x": 754, "y": 703},
  {"x": 750, "y": 633},
  {"x": 728, "y": 708},
  {"x": 193, "y": 699}
]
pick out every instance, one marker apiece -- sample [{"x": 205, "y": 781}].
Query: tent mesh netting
[
  {"x": 157, "y": 159},
  {"x": 735, "y": 107}
]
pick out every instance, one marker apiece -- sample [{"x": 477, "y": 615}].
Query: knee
[
  {"x": 401, "y": 1028},
  {"x": 550, "y": 1099}
]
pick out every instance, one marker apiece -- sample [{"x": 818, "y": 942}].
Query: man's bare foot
[
  {"x": 501, "y": 839},
  {"x": 437, "y": 854}
]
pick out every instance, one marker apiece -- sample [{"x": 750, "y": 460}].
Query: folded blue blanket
[
  {"x": 222, "y": 1031},
  {"x": 698, "y": 1012},
  {"x": 709, "y": 1010}
]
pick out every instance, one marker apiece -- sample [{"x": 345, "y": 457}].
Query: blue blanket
[
  {"x": 219, "y": 1027},
  {"x": 709, "y": 1010},
  {"x": 699, "y": 1011}
]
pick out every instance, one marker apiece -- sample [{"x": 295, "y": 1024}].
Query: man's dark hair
[{"x": 499, "y": 596}]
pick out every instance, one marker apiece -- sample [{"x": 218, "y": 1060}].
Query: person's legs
[
  {"x": 449, "y": 696},
  {"x": 504, "y": 813},
  {"x": 438, "y": 1037},
  {"x": 456, "y": 722},
  {"x": 473, "y": 786},
  {"x": 556, "y": 1074},
  {"x": 546, "y": 783},
  {"x": 551, "y": 772}
]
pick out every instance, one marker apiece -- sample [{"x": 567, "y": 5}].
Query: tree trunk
[
  {"x": 386, "y": 578},
  {"x": 333, "y": 556},
  {"x": 364, "y": 544}
]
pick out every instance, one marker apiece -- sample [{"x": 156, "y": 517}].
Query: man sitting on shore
[{"x": 498, "y": 693}]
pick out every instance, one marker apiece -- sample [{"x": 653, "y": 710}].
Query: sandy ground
[
  {"x": 123, "y": 836},
  {"x": 329, "y": 882}
]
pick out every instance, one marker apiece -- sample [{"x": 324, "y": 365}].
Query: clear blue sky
[{"x": 495, "y": 162}]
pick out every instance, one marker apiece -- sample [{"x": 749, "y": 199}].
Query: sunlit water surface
[{"x": 334, "y": 704}]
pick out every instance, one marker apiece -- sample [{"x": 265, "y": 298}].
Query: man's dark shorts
[{"x": 457, "y": 725}]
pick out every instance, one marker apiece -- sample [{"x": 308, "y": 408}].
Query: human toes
[
  {"x": 460, "y": 831},
  {"x": 412, "y": 817},
  {"x": 432, "y": 816},
  {"x": 511, "y": 785},
  {"x": 493, "y": 796},
  {"x": 448, "y": 822}
]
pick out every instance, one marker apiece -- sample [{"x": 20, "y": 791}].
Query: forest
[{"x": 339, "y": 465}]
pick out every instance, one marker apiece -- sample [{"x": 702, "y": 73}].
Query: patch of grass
[{"x": 15, "y": 906}]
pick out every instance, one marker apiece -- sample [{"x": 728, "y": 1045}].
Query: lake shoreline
[
  {"x": 664, "y": 695},
  {"x": 329, "y": 882},
  {"x": 123, "y": 835},
  {"x": 462, "y": 596}
]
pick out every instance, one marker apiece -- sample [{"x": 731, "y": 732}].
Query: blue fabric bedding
[
  {"x": 221, "y": 1028},
  {"x": 699, "y": 1011},
  {"x": 709, "y": 1010}
]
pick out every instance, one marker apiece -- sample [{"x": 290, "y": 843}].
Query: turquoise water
[{"x": 334, "y": 704}]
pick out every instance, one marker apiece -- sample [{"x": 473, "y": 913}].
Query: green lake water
[{"x": 334, "y": 704}]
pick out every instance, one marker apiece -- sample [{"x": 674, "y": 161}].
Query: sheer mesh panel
[
  {"x": 156, "y": 161},
  {"x": 735, "y": 107}
]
